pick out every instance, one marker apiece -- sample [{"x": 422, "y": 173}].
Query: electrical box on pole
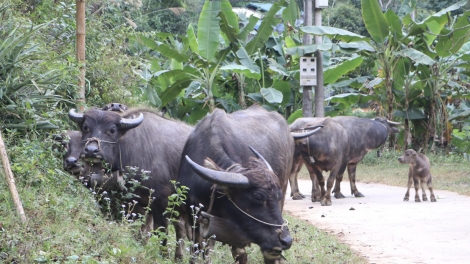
[
  {"x": 321, "y": 4},
  {"x": 308, "y": 71}
]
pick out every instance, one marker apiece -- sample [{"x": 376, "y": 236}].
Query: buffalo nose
[
  {"x": 91, "y": 149},
  {"x": 286, "y": 239},
  {"x": 71, "y": 161}
]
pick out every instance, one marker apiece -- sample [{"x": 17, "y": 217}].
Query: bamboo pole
[
  {"x": 80, "y": 20},
  {"x": 11, "y": 180}
]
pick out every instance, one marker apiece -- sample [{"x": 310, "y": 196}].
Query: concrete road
[{"x": 385, "y": 229}]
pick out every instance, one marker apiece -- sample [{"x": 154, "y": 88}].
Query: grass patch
[
  {"x": 66, "y": 225},
  {"x": 449, "y": 172}
]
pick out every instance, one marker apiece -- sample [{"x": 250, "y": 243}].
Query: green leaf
[
  {"x": 192, "y": 40},
  {"x": 333, "y": 33},
  {"x": 229, "y": 32},
  {"x": 209, "y": 29},
  {"x": 231, "y": 17},
  {"x": 265, "y": 29},
  {"x": 396, "y": 26},
  {"x": 284, "y": 88},
  {"x": 294, "y": 116},
  {"x": 243, "y": 35},
  {"x": 332, "y": 74},
  {"x": 271, "y": 95},
  {"x": 246, "y": 60},
  {"x": 290, "y": 14},
  {"x": 451, "y": 42},
  {"x": 411, "y": 114},
  {"x": 416, "y": 56},
  {"x": 242, "y": 69},
  {"x": 348, "y": 99},
  {"x": 174, "y": 90},
  {"x": 308, "y": 49},
  {"x": 164, "y": 49},
  {"x": 374, "y": 20}
]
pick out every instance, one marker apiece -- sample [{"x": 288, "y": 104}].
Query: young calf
[{"x": 419, "y": 172}]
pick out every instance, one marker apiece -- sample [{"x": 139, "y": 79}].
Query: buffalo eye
[
  {"x": 258, "y": 197},
  {"x": 112, "y": 130},
  {"x": 85, "y": 128}
]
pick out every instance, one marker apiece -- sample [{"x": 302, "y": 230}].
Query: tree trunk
[
  {"x": 319, "y": 89},
  {"x": 11, "y": 180},
  {"x": 80, "y": 20}
]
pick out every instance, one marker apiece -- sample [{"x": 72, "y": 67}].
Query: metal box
[
  {"x": 321, "y": 3},
  {"x": 308, "y": 71}
]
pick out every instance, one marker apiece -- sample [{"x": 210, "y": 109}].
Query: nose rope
[
  {"x": 88, "y": 140},
  {"x": 269, "y": 224}
]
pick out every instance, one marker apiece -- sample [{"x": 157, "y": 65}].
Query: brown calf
[{"x": 419, "y": 172}]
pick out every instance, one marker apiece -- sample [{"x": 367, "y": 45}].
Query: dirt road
[{"x": 385, "y": 229}]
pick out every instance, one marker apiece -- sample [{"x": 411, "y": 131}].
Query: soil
[{"x": 383, "y": 228}]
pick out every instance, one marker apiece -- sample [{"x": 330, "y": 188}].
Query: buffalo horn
[
  {"x": 259, "y": 156},
  {"x": 393, "y": 123},
  {"x": 128, "y": 123},
  {"x": 300, "y": 135},
  {"x": 223, "y": 178},
  {"x": 76, "y": 117}
]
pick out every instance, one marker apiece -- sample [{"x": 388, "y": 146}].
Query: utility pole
[
  {"x": 311, "y": 68},
  {"x": 319, "y": 88},
  {"x": 307, "y": 40},
  {"x": 80, "y": 33}
]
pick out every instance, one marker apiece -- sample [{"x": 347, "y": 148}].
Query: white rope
[{"x": 281, "y": 226}]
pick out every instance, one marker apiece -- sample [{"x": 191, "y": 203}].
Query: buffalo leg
[
  {"x": 239, "y": 255},
  {"x": 294, "y": 185},
  {"x": 337, "y": 189},
  {"x": 431, "y": 193},
  {"x": 318, "y": 182},
  {"x": 326, "y": 201},
  {"x": 425, "y": 198},
  {"x": 352, "y": 180},
  {"x": 416, "y": 184},
  {"x": 407, "y": 194}
]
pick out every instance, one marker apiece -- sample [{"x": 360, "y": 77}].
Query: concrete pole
[
  {"x": 319, "y": 89},
  {"x": 307, "y": 109}
]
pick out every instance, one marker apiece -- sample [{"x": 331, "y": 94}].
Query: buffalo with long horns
[
  {"x": 117, "y": 143},
  {"x": 236, "y": 167}
]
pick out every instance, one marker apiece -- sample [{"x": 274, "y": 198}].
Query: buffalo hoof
[
  {"x": 417, "y": 200},
  {"x": 297, "y": 196},
  {"x": 358, "y": 194},
  {"x": 325, "y": 202},
  {"x": 433, "y": 200},
  {"x": 406, "y": 199},
  {"x": 339, "y": 195},
  {"x": 425, "y": 199},
  {"x": 316, "y": 199}
]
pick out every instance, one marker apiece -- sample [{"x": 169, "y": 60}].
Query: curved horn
[
  {"x": 259, "y": 156},
  {"x": 75, "y": 117},
  {"x": 393, "y": 123},
  {"x": 128, "y": 123},
  {"x": 300, "y": 135},
  {"x": 223, "y": 178}
]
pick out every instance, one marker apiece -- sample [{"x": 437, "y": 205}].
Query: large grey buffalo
[
  {"x": 139, "y": 138},
  {"x": 326, "y": 150},
  {"x": 342, "y": 143},
  {"x": 365, "y": 134},
  {"x": 236, "y": 167}
]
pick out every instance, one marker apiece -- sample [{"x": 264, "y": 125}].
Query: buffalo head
[
  {"x": 390, "y": 125},
  {"x": 101, "y": 131},
  {"x": 250, "y": 207}
]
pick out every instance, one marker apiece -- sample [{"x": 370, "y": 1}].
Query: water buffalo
[
  {"x": 117, "y": 107},
  {"x": 326, "y": 150},
  {"x": 419, "y": 173},
  {"x": 236, "y": 167},
  {"x": 364, "y": 135},
  {"x": 117, "y": 143},
  {"x": 71, "y": 143}
]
